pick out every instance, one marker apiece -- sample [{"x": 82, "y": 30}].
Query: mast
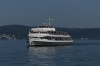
[{"x": 49, "y": 20}]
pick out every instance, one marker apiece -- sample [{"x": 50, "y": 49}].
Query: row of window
[
  {"x": 53, "y": 33},
  {"x": 54, "y": 38}
]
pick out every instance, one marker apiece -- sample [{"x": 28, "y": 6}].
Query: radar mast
[{"x": 50, "y": 20}]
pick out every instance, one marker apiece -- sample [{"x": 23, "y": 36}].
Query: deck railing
[{"x": 52, "y": 33}]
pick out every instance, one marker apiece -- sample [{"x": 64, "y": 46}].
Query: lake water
[{"x": 81, "y": 53}]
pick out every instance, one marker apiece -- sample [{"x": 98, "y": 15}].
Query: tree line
[{"x": 21, "y": 31}]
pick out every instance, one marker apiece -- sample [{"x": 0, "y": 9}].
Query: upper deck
[{"x": 43, "y": 27}]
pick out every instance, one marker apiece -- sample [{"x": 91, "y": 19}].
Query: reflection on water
[
  {"x": 45, "y": 56},
  {"x": 41, "y": 52}
]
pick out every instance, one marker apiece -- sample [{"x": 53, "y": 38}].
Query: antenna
[{"x": 50, "y": 20}]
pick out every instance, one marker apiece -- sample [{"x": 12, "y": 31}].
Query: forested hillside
[{"x": 21, "y": 32}]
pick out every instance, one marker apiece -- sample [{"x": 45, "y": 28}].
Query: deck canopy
[{"x": 45, "y": 26}]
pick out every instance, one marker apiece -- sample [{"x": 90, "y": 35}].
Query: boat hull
[{"x": 40, "y": 43}]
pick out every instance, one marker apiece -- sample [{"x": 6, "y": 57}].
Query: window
[{"x": 35, "y": 37}]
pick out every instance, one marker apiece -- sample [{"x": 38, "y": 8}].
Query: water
[{"x": 18, "y": 53}]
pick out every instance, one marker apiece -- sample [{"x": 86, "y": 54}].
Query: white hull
[{"x": 50, "y": 42}]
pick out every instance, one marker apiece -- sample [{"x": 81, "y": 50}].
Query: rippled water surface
[{"x": 19, "y": 53}]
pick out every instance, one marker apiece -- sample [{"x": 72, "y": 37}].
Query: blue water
[{"x": 81, "y": 53}]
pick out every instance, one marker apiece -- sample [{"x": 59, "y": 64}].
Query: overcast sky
[{"x": 66, "y": 13}]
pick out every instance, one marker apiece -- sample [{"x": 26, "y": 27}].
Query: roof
[{"x": 45, "y": 26}]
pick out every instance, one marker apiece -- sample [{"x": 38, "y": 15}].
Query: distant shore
[{"x": 13, "y": 32}]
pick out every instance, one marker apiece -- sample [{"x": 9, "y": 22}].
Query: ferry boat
[{"x": 47, "y": 35}]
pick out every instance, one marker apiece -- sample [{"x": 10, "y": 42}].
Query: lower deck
[
  {"x": 49, "y": 42},
  {"x": 51, "y": 38}
]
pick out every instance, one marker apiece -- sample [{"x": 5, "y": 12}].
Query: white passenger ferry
[{"x": 47, "y": 35}]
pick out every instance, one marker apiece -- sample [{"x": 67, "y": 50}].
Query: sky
[{"x": 66, "y": 13}]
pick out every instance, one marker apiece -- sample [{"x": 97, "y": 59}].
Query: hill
[{"x": 21, "y": 32}]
